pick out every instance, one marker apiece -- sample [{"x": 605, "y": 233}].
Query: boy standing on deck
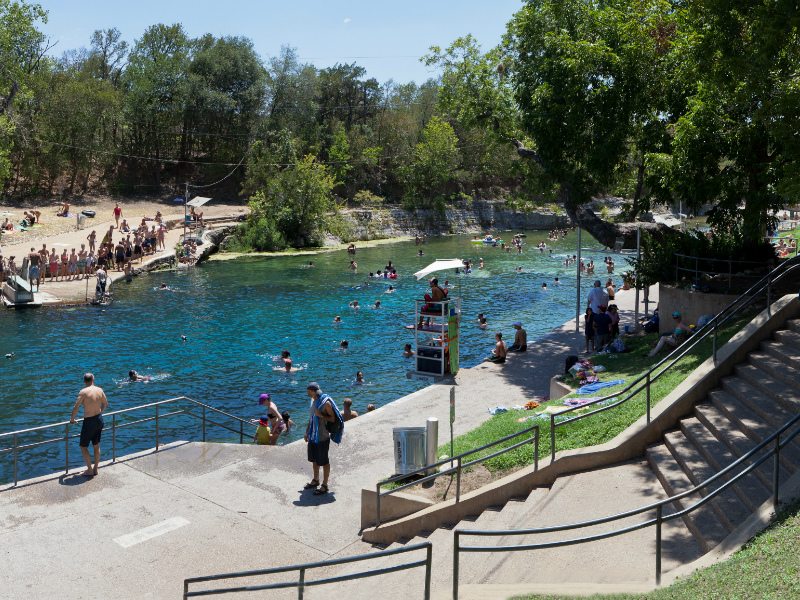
[{"x": 94, "y": 402}]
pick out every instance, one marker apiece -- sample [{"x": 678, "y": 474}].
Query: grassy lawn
[
  {"x": 598, "y": 428},
  {"x": 768, "y": 566}
]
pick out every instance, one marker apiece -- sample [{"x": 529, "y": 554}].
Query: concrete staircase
[
  {"x": 761, "y": 395},
  {"x": 752, "y": 403}
]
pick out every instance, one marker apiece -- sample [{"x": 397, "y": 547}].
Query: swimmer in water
[
  {"x": 360, "y": 378},
  {"x": 287, "y": 421},
  {"x": 482, "y": 321},
  {"x": 134, "y": 376},
  {"x": 544, "y": 285},
  {"x": 287, "y": 367},
  {"x": 285, "y": 355},
  {"x": 353, "y": 266},
  {"x": 165, "y": 288},
  {"x": 370, "y": 407},
  {"x": 310, "y": 265},
  {"x": 407, "y": 351},
  {"x": 337, "y": 320},
  {"x": 480, "y": 263},
  {"x": 377, "y": 303},
  {"x": 557, "y": 281},
  {"x": 390, "y": 290},
  {"x": 344, "y": 345},
  {"x": 354, "y": 304}
]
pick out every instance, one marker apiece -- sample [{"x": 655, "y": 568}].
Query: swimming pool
[{"x": 238, "y": 315}]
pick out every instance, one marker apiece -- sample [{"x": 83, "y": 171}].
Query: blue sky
[{"x": 391, "y": 35}]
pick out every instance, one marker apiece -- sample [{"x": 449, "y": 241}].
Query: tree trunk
[{"x": 605, "y": 232}]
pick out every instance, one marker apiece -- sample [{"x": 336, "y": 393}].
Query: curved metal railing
[
  {"x": 643, "y": 382},
  {"x": 658, "y": 520},
  {"x": 17, "y": 447}
]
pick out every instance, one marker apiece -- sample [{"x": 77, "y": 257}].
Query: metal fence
[
  {"x": 644, "y": 382},
  {"x": 715, "y": 266},
  {"x": 159, "y": 416},
  {"x": 772, "y": 445},
  {"x": 458, "y": 468},
  {"x": 301, "y": 582}
]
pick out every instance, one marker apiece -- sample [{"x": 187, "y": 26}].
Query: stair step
[
  {"x": 783, "y": 352},
  {"x": 760, "y": 404},
  {"x": 753, "y": 425},
  {"x": 793, "y": 325},
  {"x": 728, "y": 508},
  {"x": 783, "y": 394},
  {"x": 788, "y": 337},
  {"x": 703, "y": 522},
  {"x": 775, "y": 368},
  {"x": 727, "y": 432},
  {"x": 753, "y": 489}
]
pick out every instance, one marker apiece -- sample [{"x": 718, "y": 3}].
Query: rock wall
[{"x": 467, "y": 218}]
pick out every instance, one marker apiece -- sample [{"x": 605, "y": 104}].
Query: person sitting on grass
[
  {"x": 498, "y": 354},
  {"x": 678, "y": 336}
]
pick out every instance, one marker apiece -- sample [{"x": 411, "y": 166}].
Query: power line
[{"x": 226, "y": 176}]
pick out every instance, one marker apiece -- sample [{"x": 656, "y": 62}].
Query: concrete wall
[
  {"x": 465, "y": 217},
  {"x": 630, "y": 444},
  {"x": 692, "y": 305}
]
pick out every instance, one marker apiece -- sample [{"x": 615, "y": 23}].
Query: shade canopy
[
  {"x": 198, "y": 201},
  {"x": 441, "y": 264}
]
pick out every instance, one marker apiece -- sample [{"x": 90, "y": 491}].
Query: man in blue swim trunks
[{"x": 94, "y": 402}]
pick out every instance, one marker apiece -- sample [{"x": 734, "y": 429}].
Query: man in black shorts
[
  {"x": 318, "y": 438},
  {"x": 94, "y": 403}
]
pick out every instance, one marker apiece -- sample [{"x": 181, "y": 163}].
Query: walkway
[{"x": 233, "y": 507}]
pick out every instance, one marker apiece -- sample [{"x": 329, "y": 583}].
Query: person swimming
[
  {"x": 344, "y": 345},
  {"x": 337, "y": 320},
  {"x": 354, "y": 304},
  {"x": 359, "y": 378},
  {"x": 165, "y": 288},
  {"x": 390, "y": 290},
  {"x": 377, "y": 303},
  {"x": 310, "y": 265},
  {"x": 134, "y": 376},
  {"x": 407, "y": 351},
  {"x": 544, "y": 285}
]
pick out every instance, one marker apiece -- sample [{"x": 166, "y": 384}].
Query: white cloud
[{"x": 347, "y": 20}]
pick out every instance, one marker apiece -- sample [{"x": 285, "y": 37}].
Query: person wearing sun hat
[
  {"x": 520, "y": 338},
  {"x": 681, "y": 332},
  {"x": 263, "y": 432}
]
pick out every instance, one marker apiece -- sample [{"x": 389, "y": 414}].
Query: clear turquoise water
[{"x": 238, "y": 316}]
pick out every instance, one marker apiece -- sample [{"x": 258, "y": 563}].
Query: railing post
[
  {"x": 204, "y": 423},
  {"x": 114, "y": 441},
  {"x": 769, "y": 289},
  {"x": 378, "y": 506},
  {"x": 714, "y": 345},
  {"x": 552, "y": 439},
  {"x": 455, "y": 564},
  {"x": 66, "y": 449},
  {"x": 776, "y": 471},
  {"x": 458, "y": 481},
  {"x": 15, "y": 460},
  {"x": 156, "y": 427},
  {"x": 185, "y": 589},
  {"x": 658, "y": 544},
  {"x": 648, "y": 396},
  {"x": 301, "y": 582},
  {"x": 428, "y": 566},
  {"x": 536, "y": 451},
  {"x": 241, "y": 432}
]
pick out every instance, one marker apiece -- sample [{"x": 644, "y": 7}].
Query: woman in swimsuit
[
  {"x": 161, "y": 238},
  {"x": 64, "y": 263}
]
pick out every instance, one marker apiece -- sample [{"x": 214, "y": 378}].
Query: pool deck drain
[{"x": 240, "y": 507}]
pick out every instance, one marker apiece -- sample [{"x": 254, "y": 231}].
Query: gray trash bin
[
  {"x": 81, "y": 221},
  {"x": 409, "y": 449}
]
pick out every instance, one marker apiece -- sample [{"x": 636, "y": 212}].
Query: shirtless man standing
[{"x": 94, "y": 403}]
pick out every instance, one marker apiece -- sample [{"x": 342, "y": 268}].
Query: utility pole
[{"x": 365, "y": 104}]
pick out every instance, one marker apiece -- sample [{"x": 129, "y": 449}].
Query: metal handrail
[
  {"x": 17, "y": 447},
  {"x": 773, "y": 440},
  {"x": 678, "y": 353},
  {"x": 301, "y": 583},
  {"x": 457, "y": 469}
]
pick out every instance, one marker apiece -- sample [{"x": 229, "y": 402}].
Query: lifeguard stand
[{"x": 436, "y": 335}]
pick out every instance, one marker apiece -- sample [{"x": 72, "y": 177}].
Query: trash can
[
  {"x": 81, "y": 221},
  {"x": 409, "y": 449}
]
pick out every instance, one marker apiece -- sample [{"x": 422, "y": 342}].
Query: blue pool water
[{"x": 238, "y": 316}]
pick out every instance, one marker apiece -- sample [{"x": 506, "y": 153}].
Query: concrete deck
[{"x": 226, "y": 508}]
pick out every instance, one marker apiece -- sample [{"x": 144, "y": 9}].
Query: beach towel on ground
[
  {"x": 498, "y": 410},
  {"x": 596, "y": 387}
]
